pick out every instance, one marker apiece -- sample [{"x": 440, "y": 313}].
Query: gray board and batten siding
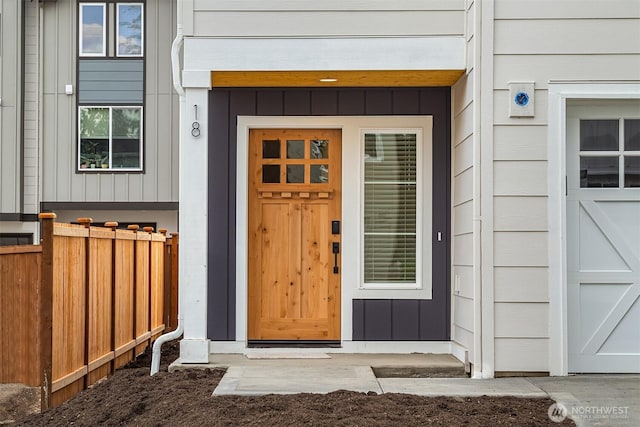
[
  {"x": 373, "y": 320},
  {"x": 111, "y": 81}
]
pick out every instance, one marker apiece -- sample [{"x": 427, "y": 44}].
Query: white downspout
[{"x": 175, "y": 69}]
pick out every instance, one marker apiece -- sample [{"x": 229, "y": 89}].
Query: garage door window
[{"x": 610, "y": 153}]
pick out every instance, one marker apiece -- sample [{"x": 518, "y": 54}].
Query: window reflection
[{"x": 599, "y": 172}]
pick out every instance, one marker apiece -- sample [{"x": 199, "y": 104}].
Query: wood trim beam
[{"x": 380, "y": 78}]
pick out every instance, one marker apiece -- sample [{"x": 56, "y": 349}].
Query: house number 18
[{"x": 195, "y": 126}]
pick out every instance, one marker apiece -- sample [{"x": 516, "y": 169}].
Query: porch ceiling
[{"x": 344, "y": 78}]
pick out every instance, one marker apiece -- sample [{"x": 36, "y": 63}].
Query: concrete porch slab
[{"x": 256, "y": 380}]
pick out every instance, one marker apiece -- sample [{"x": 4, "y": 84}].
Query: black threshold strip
[{"x": 292, "y": 344}]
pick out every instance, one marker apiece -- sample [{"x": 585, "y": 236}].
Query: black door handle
[{"x": 336, "y": 250}]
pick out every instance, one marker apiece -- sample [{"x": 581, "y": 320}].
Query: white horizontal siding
[
  {"x": 463, "y": 281},
  {"x": 521, "y": 284},
  {"x": 463, "y": 218},
  {"x": 463, "y": 309},
  {"x": 462, "y": 94},
  {"x": 520, "y": 142},
  {"x": 464, "y": 337},
  {"x": 566, "y": 9},
  {"x": 463, "y": 124},
  {"x": 463, "y": 187},
  {"x": 520, "y": 178},
  {"x": 566, "y": 36},
  {"x": 326, "y": 5},
  {"x": 521, "y": 320},
  {"x": 520, "y": 249},
  {"x": 463, "y": 249},
  {"x": 521, "y": 355},
  {"x": 463, "y": 156},
  {"x": 542, "y": 68},
  {"x": 327, "y": 23},
  {"x": 520, "y": 213}
]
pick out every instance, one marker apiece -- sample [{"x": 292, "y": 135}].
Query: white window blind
[{"x": 390, "y": 208}]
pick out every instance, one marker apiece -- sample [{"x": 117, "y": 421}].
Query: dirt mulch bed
[{"x": 132, "y": 397}]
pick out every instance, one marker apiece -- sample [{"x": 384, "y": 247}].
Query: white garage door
[{"x": 603, "y": 237}]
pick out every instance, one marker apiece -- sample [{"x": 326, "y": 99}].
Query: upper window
[
  {"x": 610, "y": 153},
  {"x": 129, "y": 29},
  {"x": 391, "y": 223},
  {"x": 98, "y": 37},
  {"x": 110, "y": 138},
  {"x": 93, "y": 29}
]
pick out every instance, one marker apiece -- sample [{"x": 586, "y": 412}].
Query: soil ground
[{"x": 183, "y": 398}]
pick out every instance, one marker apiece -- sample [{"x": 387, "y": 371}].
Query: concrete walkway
[{"x": 590, "y": 400}]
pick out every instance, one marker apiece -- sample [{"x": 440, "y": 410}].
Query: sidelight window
[{"x": 391, "y": 217}]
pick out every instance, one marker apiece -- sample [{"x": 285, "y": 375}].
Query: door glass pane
[
  {"x": 270, "y": 174},
  {"x": 130, "y": 30},
  {"x": 632, "y": 171},
  {"x": 599, "y": 135},
  {"x": 632, "y": 135},
  {"x": 319, "y": 174},
  {"x": 598, "y": 172},
  {"x": 295, "y": 174},
  {"x": 92, "y": 31},
  {"x": 271, "y": 149},
  {"x": 295, "y": 149},
  {"x": 319, "y": 149}
]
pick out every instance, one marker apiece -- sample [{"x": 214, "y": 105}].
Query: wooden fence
[{"x": 83, "y": 303}]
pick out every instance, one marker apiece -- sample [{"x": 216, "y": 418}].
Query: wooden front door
[{"x": 294, "y": 237}]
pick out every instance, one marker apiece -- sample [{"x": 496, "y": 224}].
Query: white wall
[
  {"x": 540, "y": 41},
  {"x": 463, "y": 203}
]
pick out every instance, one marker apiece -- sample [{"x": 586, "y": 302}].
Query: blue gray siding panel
[
  {"x": 111, "y": 81},
  {"x": 426, "y": 320}
]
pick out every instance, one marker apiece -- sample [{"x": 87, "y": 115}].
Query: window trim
[
  {"x": 420, "y": 240},
  {"x": 110, "y": 169},
  {"x": 117, "y": 29}
]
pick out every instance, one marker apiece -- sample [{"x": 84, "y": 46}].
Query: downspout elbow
[
  {"x": 175, "y": 62},
  {"x": 155, "y": 357}
]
